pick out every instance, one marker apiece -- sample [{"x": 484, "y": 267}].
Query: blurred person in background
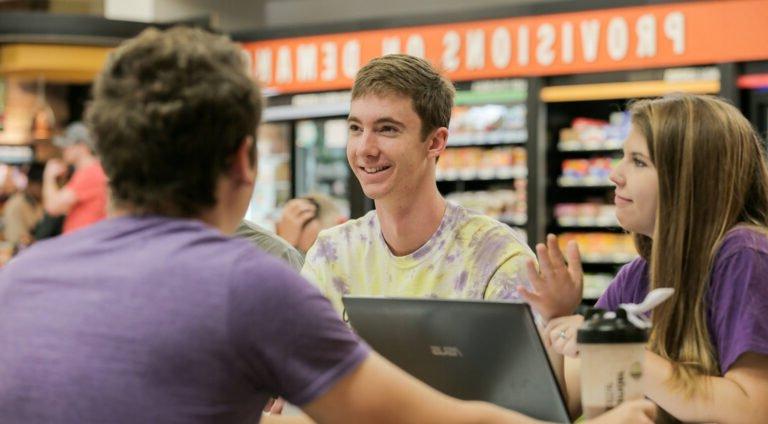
[
  {"x": 303, "y": 218},
  {"x": 84, "y": 198},
  {"x": 270, "y": 243},
  {"x": 24, "y": 209}
]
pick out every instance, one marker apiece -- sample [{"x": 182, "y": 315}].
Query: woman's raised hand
[{"x": 557, "y": 286}]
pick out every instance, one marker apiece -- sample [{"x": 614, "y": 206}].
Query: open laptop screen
[{"x": 473, "y": 350}]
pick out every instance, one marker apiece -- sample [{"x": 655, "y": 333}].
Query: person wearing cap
[{"x": 84, "y": 198}]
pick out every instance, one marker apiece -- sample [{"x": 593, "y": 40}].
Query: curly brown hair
[{"x": 169, "y": 111}]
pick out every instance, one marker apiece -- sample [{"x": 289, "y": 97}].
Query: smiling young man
[{"x": 415, "y": 244}]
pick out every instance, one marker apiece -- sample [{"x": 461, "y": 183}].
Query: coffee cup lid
[{"x": 601, "y": 326}]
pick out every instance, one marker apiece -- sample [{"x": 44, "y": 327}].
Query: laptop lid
[{"x": 472, "y": 350}]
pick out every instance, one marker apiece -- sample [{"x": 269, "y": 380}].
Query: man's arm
[
  {"x": 56, "y": 201},
  {"x": 379, "y": 392}
]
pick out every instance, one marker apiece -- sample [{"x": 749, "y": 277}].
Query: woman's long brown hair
[{"x": 712, "y": 177}]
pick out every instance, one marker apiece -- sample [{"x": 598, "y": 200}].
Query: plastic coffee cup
[{"x": 612, "y": 358}]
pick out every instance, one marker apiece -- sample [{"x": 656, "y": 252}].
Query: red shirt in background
[{"x": 90, "y": 187}]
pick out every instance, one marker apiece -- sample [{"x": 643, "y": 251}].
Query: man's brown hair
[
  {"x": 431, "y": 94},
  {"x": 169, "y": 111}
]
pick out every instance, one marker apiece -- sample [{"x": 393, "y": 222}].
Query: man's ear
[
  {"x": 244, "y": 164},
  {"x": 437, "y": 142}
]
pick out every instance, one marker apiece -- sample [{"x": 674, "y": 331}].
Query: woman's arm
[
  {"x": 559, "y": 337},
  {"x": 741, "y": 396}
]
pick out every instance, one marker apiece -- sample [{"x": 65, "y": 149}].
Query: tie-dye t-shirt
[{"x": 470, "y": 256}]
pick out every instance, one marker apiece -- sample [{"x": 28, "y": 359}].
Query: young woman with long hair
[{"x": 692, "y": 188}]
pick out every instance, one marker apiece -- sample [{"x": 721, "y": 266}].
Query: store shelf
[
  {"x": 589, "y": 227},
  {"x": 17, "y": 154},
  {"x": 53, "y": 62},
  {"x": 595, "y": 285},
  {"x": 513, "y": 220},
  {"x": 492, "y": 138},
  {"x": 609, "y": 146},
  {"x": 586, "y": 183},
  {"x": 496, "y": 96},
  {"x": 625, "y": 90},
  {"x": 601, "y": 260},
  {"x": 508, "y": 173}
]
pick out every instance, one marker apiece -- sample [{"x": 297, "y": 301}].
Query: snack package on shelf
[
  {"x": 589, "y": 214},
  {"x": 508, "y": 206},
  {"x": 618, "y": 129},
  {"x": 488, "y": 124},
  {"x": 602, "y": 247},
  {"x": 595, "y": 285},
  {"x": 595, "y": 134},
  {"x": 476, "y": 163},
  {"x": 587, "y": 172}
]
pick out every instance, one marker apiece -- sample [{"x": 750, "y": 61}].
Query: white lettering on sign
[
  {"x": 475, "y": 49},
  {"x": 674, "y": 30},
  {"x": 306, "y": 62},
  {"x": 523, "y": 41},
  {"x": 501, "y": 48},
  {"x": 414, "y": 46},
  {"x": 590, "y": 38},
  {"x": 284, "y": 67},
  {"x": 350, "y": 58},
  {"x": 507, "y": 46},
  {"x": 617, "y": 38},
  {"x": 645, "y": 28},
  {"x": 264, "y": 65},
  {"x": 330, "y": 60},
  {"x": 545, "y": 53},
  {"x": 566, "y": 44},
  {"x": 390, "y": 45},
  {"x": 451, "y": 46}
]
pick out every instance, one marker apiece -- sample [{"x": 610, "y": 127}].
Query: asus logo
[{"x": 451, "y": 351}]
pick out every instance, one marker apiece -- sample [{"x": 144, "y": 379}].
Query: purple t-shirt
[
  {"x": 158, "y": 320},
  {"x": 737, "y": 300}
]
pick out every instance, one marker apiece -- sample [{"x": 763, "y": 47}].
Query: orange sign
[{"x": 592, "y": 41}]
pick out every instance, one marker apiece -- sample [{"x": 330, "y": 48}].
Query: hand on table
[
  {"x": 560, "y": 334},
  {"x": 557, "y": 286}
]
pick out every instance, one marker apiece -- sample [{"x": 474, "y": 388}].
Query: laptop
[{"x": 472, "y": 350}]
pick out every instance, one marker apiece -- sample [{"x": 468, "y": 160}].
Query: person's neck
[
  {"x": 214, "y": 217},
  {"x": 407, "y": 224},
  {"x": 232, "y": 197},
  {"x": 84, "y": 161}
]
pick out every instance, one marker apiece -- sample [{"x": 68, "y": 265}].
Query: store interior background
[{"x": 537, "y": 163}]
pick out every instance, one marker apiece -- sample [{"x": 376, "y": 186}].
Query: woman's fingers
[
  {"x": 532, "y": 298},
  {"x": 556, "y": 257},
  {"x": 545, "y": 265},
  {"x": 574, "y": 260},
  {"x": 533, "y": 276}
]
